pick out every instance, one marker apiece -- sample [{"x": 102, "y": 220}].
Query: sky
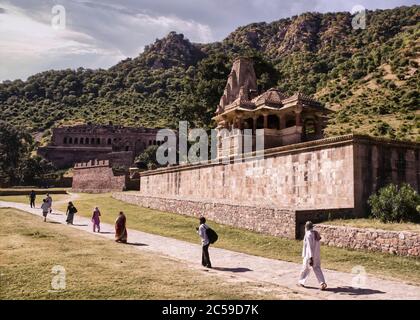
[{"x": 41, "y": 35}]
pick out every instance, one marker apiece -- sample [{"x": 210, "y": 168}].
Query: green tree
[
  {"x": 15, "y": 145},
  {"x": 147, "y": 159},
  {"x": 17, "y": 166}
]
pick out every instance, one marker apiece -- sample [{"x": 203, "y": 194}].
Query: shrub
[{"x": 395, "y": 204}]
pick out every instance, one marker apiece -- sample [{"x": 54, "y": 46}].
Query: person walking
[
  {"x": 311, "y": 255},
  {"x": 71, "y": 210},
  {"x": 95, "y": 219},
  {"x": 49, "y": 202},
  {"x": 45, "y": 208},
  {"x": 120, "y": 228},
  {"x": 32, "y": 197},
  {"x": 205, "y": 242}
]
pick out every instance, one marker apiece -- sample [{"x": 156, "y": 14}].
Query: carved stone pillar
[
  {"x": 240, "y": 122},
  {"x": 265, "y": 120},
  {"x": 282, "y": 123},
  {"x": 254, "y": 124},
  {"x": 318, "y": 126},
  {"x": 298, "y": 114}
]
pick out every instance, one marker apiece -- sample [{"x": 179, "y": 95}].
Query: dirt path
[
  {"x": 71, "y": 197},
  {"x": 247, "y": 267}
]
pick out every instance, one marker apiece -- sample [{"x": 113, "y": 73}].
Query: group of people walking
[
  {"x": 120, "y": 223},
  {"x": 46, "y": 207},
  {"x": 310, "y": 252}
]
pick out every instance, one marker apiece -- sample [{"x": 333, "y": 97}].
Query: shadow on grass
[
  {"x": 80, "y": 225},
  {"x": 232, "y": 269},
  {"x": 54, "y": 222},
  {"x": 106, "y": 232}
]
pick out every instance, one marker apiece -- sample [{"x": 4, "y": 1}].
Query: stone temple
[{"x": 285, "y": 120}]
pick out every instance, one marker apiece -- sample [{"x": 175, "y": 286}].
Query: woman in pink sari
[
  {"x": 120, "y": 228},
  {"x": 95, "y": 219}
]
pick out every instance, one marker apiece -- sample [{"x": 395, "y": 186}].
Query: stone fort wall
[
  {"x": 96, "y": 177},
  {"x": 396, "y": 242},
  {"x": 247, "y": 217},
  {"x": 284, "y": 223},
  {"x": 307, "y": 181},
  {"x": 314, "y": 176}
]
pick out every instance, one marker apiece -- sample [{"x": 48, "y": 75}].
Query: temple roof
[
  {"x": 300, "y": 97},
  {"x": 272, "y": 96},
  {"x": 239, "y": 94}
]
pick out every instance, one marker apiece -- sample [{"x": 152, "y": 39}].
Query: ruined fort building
[{"x": 82, "y": 143}]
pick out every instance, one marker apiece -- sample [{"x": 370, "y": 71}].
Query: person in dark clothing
[
  {"x": 121, "y": 228},
  {"x": 71, "y": 210},
  {"x": 202, "y": 232},
  {"x": 32, "y": 197}
]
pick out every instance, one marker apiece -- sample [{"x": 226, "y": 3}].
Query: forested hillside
[{"x": 369, "y": 77}]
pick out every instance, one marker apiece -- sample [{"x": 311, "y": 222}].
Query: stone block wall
[
  {"x": 328, "y": 174},
  {"x": 379, "y": 162},
  {"x": 310, "y": 175},
  {"x": 97, "y": 177},
  {"x": 282, "y": 223},
  {"x": 272, "y": 221},
  {"x": 396, "y": 242}
]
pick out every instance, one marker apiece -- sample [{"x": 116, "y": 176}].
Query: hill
[{"x": 369, "y": 76}]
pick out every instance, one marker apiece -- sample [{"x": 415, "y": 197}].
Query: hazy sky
[{"x": 99, "y": 33}]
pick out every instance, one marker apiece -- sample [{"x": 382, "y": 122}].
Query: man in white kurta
[{"x": 311, "y": 256}]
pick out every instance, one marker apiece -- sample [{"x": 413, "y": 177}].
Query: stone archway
[{"x": 273, "y": 122}]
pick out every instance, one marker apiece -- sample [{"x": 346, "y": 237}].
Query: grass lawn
[
  {"x": 376, "y": 224},
  {"x": 101, "y": 269},
  {"x": 38, "y": 201},
  {"x": 183, "y": 228}
]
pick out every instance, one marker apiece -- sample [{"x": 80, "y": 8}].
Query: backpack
[{"x": 212, "y": 235}]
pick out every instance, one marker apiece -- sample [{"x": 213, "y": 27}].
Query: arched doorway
[{"x": 273, "y": 122}]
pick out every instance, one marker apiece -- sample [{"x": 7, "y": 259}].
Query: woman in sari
[
  {"x": 95, "y": 219},
  {"x": 120, "y": 228},
  {"x": 71, "y": 210}
]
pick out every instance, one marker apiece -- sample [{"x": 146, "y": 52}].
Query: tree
[
  {"x": 147, "y": 159},
  {"x": 15, "y": 145},
  {"x": 17, "y": 166},
  {"x": 33, "y": 169}
]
